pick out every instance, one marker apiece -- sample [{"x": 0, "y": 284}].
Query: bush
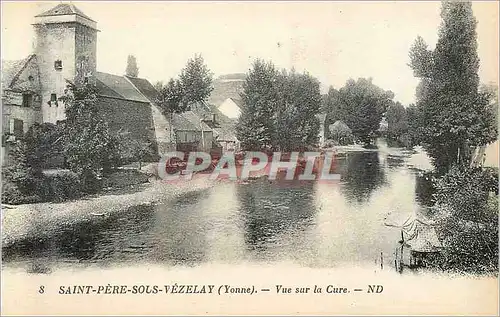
[
  {"x": 467, "y": 209},
  {"x": 57, "y": 188},
  {"x": 62, "y": 186},
  {"x": 12, "y": 195},
  {"x": 124, "y": 178},
  {"x": 129, "y": 150},
  {"x": 90, "y": 181}
]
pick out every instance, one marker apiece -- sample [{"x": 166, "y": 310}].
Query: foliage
[
  {"x": 467, "y": 206},
  {"x": 455, "y": 116},
  {"x": 62, "y": 186},
  {"x": 299, "y": 100},
  {"x": 397, "y": 121},
  {"x": 279, "y": 109},
  {"x": 414, "y": 119},
  {"x": 130, "y": 149},
  {"x": 125, "y": 178},
  {"x": 340, "y": 133},
  {"x": 359, "y": 104},
  {"x": 196, "y": 80},
  {"x": 171, "y": 97},
  {"x": 255, "y": 128},
  {"x": 29, "y": 155},
  {"x": 399, "y": 127},
  {"x": 89, "y": 148},
  {"x": 194, "y": 85},
  {"x": 132, "y": 70},
  {"x": 329, "y": 106},
  {"x": 12, "y": 195}
]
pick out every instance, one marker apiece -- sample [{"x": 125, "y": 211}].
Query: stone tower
[{"x": 65, "y": 48}]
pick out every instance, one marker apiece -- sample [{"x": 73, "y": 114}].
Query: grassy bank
[{"x": 34, "y": 220}]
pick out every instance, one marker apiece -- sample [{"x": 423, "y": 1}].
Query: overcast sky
[{"x": 334, "y": 41}]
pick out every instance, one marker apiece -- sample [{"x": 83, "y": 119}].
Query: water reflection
[
  {"x": 362, "y": 176},
  {"x": 310, "y": 223},
  {"x": 424, "y": 188},
  {"x": 89, "y": 241},
  {"x": 178, "y": 233},
  {"x": 272, "y": 214}
]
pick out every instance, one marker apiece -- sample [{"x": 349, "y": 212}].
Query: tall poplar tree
[
  {"x": 132, "y": 68},
  {"x": 456, "y": 117}
]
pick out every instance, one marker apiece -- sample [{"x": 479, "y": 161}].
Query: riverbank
[{"x": 30, "y": 221}]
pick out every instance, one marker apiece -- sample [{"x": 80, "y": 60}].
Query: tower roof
[{"x": 64, "y": 9}]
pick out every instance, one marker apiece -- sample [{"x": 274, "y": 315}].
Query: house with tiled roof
[
  {"x": 21, "y": 99},
  {"x": 203, "y": 127},
  {"x": 185, "y": 131},
  {"x": 224, "y": 128},
  {"x": 65, "y": 50}
]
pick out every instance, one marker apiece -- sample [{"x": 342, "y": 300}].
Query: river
[{"x": 312, "y": 224}]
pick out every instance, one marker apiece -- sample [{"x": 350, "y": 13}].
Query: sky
[{"x": 333, "y": 41}]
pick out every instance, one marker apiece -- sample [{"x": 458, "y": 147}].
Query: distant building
[
  {"x": 224, "y": 128},
  {"x": 231, "y": 108},
  {"x": 226, "y": 95}
]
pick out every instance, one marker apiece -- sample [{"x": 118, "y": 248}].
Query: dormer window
[{"x": 58, "y": 64}]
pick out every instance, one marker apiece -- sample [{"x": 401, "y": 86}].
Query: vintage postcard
[{"x": 249, "y": 158}]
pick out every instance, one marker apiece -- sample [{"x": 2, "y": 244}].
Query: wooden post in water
[{"x": 381, "y": 260}]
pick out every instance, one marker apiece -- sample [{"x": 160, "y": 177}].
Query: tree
[
  {"x": 455, "y": 116},
  {"x": 299, "y": 102},
  {"x": 171, "y": 97},
  {"x": 196, "y": 80},
  {"x": 490, "y": 91},
  {"x": 256, "y": 124},
  {"x": 330, "y": 107},
  {"x": 132, "y": 69},
  {"x": 397, "y": 123},
  {"x": 89, "y": 147},
  {"x": 158, "y": 85},
  {"x": 414, "y": 119},
  {"x": 279, "y": 109},
  {"x": 171, "y": 100},
  {"x": 359, "y": 104}
]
